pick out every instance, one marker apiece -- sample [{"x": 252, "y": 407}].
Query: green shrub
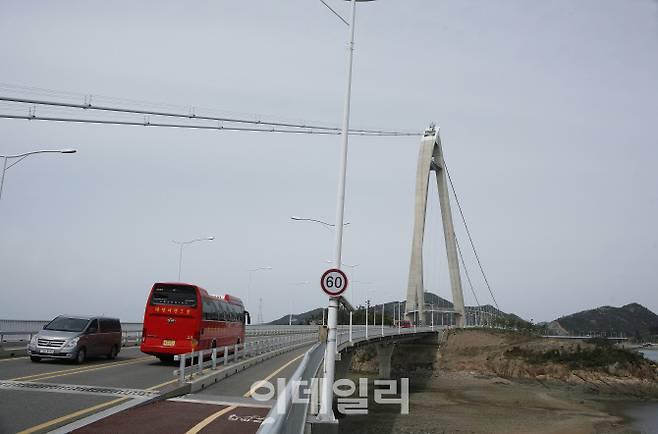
[{"x": 599, "y": 356}]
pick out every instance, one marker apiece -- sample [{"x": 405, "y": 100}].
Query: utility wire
[
  {"x": 148, "y": 123},
  {"x": 468, "y": 232},
  {"x": 89, "y": 106}
]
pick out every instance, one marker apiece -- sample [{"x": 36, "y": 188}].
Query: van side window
[{"x": 93, "y": 326}]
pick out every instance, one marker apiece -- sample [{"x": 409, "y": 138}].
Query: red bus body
[{"x": 180, "y": 318}]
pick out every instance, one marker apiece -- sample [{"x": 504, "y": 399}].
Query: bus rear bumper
[{"x": 159, "y": 350}]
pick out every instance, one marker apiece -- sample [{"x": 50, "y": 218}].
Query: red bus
[{"x": 180, "y": 318}]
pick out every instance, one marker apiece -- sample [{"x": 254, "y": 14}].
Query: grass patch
[{"x": 599, "y": 356}]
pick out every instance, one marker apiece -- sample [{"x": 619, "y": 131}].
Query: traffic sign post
[{"x": 334, "y": 282}]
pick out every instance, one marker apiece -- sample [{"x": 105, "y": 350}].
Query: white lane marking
[
  {"x": 77, "y": 388},
  {"x": 226, "y": 400}
]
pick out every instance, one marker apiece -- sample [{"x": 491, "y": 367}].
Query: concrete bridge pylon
[{"x": 430, "y": 158}]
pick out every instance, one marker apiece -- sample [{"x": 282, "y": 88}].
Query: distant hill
[
  {"x": 304, "y": 318},
  {"x": 632, "y": 319},
  {"x": 314, "y": 316}
]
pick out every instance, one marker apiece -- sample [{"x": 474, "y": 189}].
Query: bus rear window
[{"x": 176, "y": 295}]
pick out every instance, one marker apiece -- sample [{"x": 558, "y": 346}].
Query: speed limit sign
[{"x": 333, "y": 282}]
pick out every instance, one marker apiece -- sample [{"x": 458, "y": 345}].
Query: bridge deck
[
  {"x": 60, "y": 393},
  {"x": 224, "y": 407}
]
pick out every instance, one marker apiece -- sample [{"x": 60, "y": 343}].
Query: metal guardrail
[
  {"x": 22, "y": 338},
  {"x": 221, "y": 356},
  {"x": 288, "y": 416},
  {"x": 19, "y": 331}
]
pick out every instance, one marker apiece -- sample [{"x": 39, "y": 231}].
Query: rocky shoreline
[{"x": 472, "y": 384}]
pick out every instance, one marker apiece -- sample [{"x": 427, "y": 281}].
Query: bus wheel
[{"x": 165, "y": 358}]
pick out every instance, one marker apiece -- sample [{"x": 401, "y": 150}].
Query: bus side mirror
[{"x": 247, "y": 317}]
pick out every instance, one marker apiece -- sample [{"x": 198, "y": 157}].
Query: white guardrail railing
[
  {"x": 288, "y": 416},
  {"x": 222, "y": 356},
  {"x": 21, "y": 331}
]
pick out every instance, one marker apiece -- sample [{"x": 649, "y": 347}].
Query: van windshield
[
  {"x": 173, "y": 294},
  {"x": 66, "y": 324}
]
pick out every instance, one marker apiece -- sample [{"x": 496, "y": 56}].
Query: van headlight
[
  {"x": 34, "y": 340},
  {"x": 71, "y": 343}
]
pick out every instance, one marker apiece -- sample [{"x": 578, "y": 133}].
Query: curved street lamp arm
[
  {"x": 192, "y": 241},
  {"x": 43, "y": 151},
  {"x": 302, "y": 219}
]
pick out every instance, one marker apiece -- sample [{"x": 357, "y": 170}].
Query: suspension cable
[
  {"x": 468, "y": 232},
  {"x": 468, "y": 277}
]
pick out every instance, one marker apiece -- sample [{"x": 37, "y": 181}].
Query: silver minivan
[{"x": 77, "y": 338}]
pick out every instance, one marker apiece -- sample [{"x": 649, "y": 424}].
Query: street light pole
[
  {"x": 182, "y": 244},
  {"x": 24, "y": 155},
  {"x": 326, "y": 397},
  {"x": 251, "y": 271}
]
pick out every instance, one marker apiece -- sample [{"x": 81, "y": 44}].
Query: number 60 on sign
[{"x": 333, "y": 282}]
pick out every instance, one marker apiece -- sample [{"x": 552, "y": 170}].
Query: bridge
[
  {"x": 213, "y": 394},
  {"x": 230, "y": 389}
]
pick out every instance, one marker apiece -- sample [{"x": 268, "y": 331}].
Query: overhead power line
[
  {"x": 148, "y": 123},
  {"x": 193, "y": 116}
]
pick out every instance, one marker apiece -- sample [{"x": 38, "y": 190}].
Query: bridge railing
[
  {"x": 222, "y": 356},
  {"x": 22, "y": 331},
  {"x": 288, "y": 416}
]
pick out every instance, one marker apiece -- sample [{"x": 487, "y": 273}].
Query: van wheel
[
  {"x": 113, "y": 353},
  {"x": 35, "y": 359},
  {"x": 81, "y": 356}
]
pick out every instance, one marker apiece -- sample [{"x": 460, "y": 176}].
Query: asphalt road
[
  {"x": 22, "y": 410},
  {"x": 42, "y": 409},
  {"x": 226, "y": 407}
]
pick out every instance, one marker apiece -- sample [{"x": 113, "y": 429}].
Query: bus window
[
  {"x": 234, "y": 313},
  {"x": 221, "y": 310},
  {"x": 174, "y": 294},
  {"x": 210, "y": 310}
]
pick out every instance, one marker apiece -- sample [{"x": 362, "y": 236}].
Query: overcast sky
[{"x": 547, "y": 111}]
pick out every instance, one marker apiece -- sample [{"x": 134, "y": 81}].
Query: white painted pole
[
  {"x": 180, "y": 261},
  {"x": 326, "y": 410},
  {"x": 382, "y": 319},
  {"x": 367, "y": 321},
  {"x": 432, "y": 318},
  {"x": 351, "y": 326},
  {"x": 2, "y": 180}
]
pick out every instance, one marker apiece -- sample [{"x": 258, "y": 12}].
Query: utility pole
[
  {"x": 367, "y": 309},
  {"x": 260, "y": 311}
]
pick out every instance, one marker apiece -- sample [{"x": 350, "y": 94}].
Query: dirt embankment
[{"x": 598, "y": 368}]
